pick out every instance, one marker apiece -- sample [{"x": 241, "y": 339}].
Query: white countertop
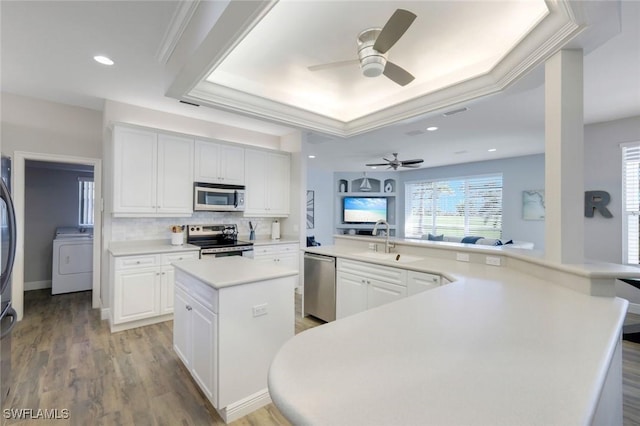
[
  {"x": 495, "y": 347},
  {"x": 266, "y": 240},
  {"x": 130, "y": 248},
  {"x": 220, "y": 272}
]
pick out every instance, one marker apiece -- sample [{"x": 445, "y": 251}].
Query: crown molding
[
  {"x": 552, "y": 33},
  {"x": 181, "y": 17}
]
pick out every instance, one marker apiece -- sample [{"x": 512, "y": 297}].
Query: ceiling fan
[
  {"x": 395, "y": 163},
  {"x": 373, "y": 45}
]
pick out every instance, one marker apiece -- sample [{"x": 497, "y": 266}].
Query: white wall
[
  {"x": 51, "y": 200},
  {"x": 39, "y": 126},
  {"x": 518, "y": 174},
  {"x": 603, "y": 171}
]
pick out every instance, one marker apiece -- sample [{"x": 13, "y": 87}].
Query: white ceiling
[{"x": 47, "y": 49}]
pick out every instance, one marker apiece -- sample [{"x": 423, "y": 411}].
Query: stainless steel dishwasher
[{"x": 320, "y": 286}]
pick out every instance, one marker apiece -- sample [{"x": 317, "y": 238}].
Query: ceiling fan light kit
[{"x": 373, "y": 44}]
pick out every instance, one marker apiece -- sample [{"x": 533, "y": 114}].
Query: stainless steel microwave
[{"x": 218, "y": 198}]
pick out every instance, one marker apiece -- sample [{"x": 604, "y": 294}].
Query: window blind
[
  {"x": 454, "y": 207},
  {"x": 631, "y": 188}
]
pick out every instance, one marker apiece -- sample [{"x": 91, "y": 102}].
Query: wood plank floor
[{"x": 64, "y": 357}]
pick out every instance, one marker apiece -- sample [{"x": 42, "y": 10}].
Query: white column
[{"x": 564, "y": 158}]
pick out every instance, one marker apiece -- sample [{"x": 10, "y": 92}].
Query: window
[
  {"x": 631, "y": 196},
  {"x": 455, "y": 207},
  {"x": 85, "y": 201}
]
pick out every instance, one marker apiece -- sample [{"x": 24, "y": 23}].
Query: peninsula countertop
[
  {"x": 495, "y": 347},
  {"x": 131, "y": 248},
  {"x": 221, "y": 272}
]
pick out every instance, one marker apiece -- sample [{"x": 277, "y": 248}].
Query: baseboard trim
[
  {"x": 245, "y": 406},
  {"x": 104, "y": 314},
  {"x": 634, "y": 308},
  {"x": 37, "y": 285},
  {"x": 140, "y": 323}
]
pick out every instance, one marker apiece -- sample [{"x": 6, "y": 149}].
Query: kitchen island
[
  {"x": 496, "y": 346},
  {"x": 231, "y": 316}
]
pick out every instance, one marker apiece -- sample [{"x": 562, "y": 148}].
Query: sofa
[{"x": 480, "y": 241}]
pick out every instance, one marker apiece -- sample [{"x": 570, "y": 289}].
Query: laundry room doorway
[{"x": 58, "y": 202}]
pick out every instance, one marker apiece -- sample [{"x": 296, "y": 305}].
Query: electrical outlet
[
  {"x": 492, "y": 260},
  {"x": 372, "y": 246},
  {"x": 462, "y": 257},
  {"x": 259, "y": 310}
]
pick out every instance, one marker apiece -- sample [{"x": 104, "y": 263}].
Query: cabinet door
[
  {"x": 381, "y": 293},
  {"x": 182, "y": 327},
  {"x": 205, "y": 354},
  {"x": 417, "y": 282},
  {"x": 134, "y": 170},
  {"x": 167, "y": 280},
  {"x": 175, "y": 174},
  {"x": 207, "y": 162},
  {"x": 278, "y": 180},
  {"x": 351, "y": 294},
  {"x": 232, "y": 165},
  {"x": 137, "y": 294},
  {"x": 256, "y": 170}
]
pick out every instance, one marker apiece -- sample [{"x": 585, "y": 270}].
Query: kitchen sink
[{"x": 389, "y": 257}]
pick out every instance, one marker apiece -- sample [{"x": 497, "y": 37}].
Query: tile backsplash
[{"x": 159, "y": 228}]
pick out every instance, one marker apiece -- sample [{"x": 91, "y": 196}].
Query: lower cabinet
[
  {"x": 143, "y": 288},
  {"x": 361, "y": 286},
  {"x": 283, "y": 254},
  {"x": 194, "y": 340}
]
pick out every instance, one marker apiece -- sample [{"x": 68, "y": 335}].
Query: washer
[{"x": 72, "y": 260}]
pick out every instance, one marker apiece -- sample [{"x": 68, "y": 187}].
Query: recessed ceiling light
[
  {"x": 492, "y": 150},
  {"x": 373, "y": 167},
  {"x": 103, "y": 60},
  {"x": 312, "y": 156},
  {"x": 432, "y": 128}
]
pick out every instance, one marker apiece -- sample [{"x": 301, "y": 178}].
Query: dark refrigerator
[{"x": 8, "y": 315}]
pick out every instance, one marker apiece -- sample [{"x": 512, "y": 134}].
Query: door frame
[{"x": 18, "y": 179}]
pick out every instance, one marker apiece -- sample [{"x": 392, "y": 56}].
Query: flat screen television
[{"x": 364, "y": 209}]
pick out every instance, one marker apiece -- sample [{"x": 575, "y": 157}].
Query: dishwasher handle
[{"x": 319, "y": 257}]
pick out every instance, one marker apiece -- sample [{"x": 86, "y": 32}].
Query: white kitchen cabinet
[
  {"x": 361, "y": 286},
  {"x": 182, "y": 320},
  {"x": 417, "y": 282},
  {"x": 267, "y": 180},
  {"x": 218, "y": 163},
  {"x": 152, "y": 173},
  {"x": 143, "y": 288},
  {"x": 286, "y": 255}
]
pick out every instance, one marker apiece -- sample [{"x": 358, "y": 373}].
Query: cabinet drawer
[
  {"x": 269, "y": 250},
  {"x": 128, "y": 262},
  {"x": 206, "y": 295},
  {"x": 383, "y": 273},
  {"x": 167, "y": 259}
]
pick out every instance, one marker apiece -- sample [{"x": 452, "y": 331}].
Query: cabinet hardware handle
[
  {"x": 163, "y": 273},
  {"x": 189, "y": 308},
  {"x": 138, "y": 262}
]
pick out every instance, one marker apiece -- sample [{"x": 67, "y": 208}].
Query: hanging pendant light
[{"x": 365, "y": 186}]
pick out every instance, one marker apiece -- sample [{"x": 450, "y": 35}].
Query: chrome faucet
[{"x": 387, "y": 246}]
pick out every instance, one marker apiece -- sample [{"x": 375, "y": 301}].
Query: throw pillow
[
  {"x": 470, "y": 240},
  {"x": 431, "y": 237},
  {"x": 498, "y": 243},
  {"x": 509, "y": 242}
]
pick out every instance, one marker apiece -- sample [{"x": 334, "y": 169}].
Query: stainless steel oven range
[{"x": 218, "y": 240}]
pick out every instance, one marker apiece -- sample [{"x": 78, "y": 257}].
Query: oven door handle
[{"x": 235, "y": 199}]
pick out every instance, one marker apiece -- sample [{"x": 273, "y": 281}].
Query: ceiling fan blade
[
  {"x": 395, "y": 27},
  {"x": 330, "y": 65},
  {"x": 416, "y": 161},
  {"x": 411, "y": 166},
  {"x": 397, "y": 74},
  {"x": 377, "y": 164}
]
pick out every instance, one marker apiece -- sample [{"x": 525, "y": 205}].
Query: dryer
[{"x": 72, "y": 260}]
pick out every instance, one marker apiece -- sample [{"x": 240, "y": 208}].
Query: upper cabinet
[
  {"x": 218, "y": 163},
  {"x": 267, "y": 178},
  {"x": 152, "y": 173}
]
